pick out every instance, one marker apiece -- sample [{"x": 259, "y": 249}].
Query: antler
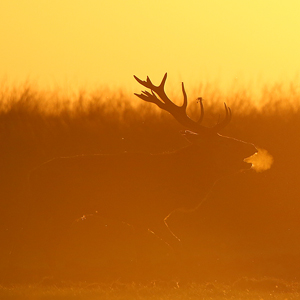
[{"x": 179, "y": 112}]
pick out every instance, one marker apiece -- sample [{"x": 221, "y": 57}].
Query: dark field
[{"x": 249, "y": 225}]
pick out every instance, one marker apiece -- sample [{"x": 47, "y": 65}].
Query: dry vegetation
[
  {"x": 254, "y": 289},
  {"x": 252, "y": 231}
]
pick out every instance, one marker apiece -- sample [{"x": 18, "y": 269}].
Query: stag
[{"x": 138, "y": 188}]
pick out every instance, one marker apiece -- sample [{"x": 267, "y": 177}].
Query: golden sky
[{"x": 95, "y": 42}]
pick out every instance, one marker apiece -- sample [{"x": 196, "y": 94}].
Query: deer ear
[{"x": 191, "y": 136}]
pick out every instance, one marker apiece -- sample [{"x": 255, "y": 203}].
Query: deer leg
[{"x": 163, "y": 232}]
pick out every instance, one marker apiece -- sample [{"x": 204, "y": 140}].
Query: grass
[
  {"x": 252, "y": 230},
  {"x": 154, "y": 290}
]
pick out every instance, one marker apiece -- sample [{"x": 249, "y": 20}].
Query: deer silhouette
[{"x": 140, "y": 189}]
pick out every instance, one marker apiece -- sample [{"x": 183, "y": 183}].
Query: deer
[{"x": 141, "y": 189}]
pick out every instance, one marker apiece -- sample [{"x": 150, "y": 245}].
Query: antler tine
[
  {"x": 185, "y": 102},
  {"x": 162, "y": 84},
  {"x": 226, "y": 120}
]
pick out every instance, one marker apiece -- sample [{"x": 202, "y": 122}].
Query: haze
[{"x": 103, "y": 43}]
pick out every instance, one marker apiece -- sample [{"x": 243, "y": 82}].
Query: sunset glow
[{"x": 95, "y": 43}]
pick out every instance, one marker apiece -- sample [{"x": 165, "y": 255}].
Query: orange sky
[{"x": 92, "y": 42}]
